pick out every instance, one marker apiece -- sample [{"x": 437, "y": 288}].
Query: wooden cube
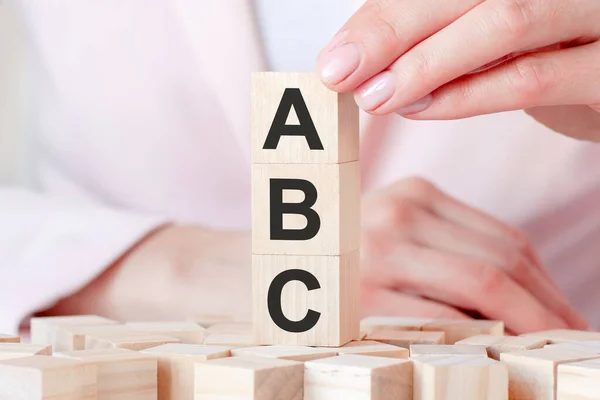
[
  {"x": 371, "y": 348},
  {"x": 72, "y": 337},
  {"x": 329, "y": 309},
  {"x": 294, "y": 353},
  {"x": 496, "y": 345},
  {"x": 374, "y": 324},
  {"x": 233, "y": 340},
  {"x": 187, "y": 332},
  {"x": 301, "y": 100},
  {"x": 579, "y": 380},
  {"x": 555, "y": 336},
  {"x": 176, "y": 367},
  {"x": 407, "y": 338},
  {"x": 122, "y": 374},
  {"x": 441, "y": 350},
  {"x": 9, "y": 339},
  {"x": 208, "y": 320},
  {"x": 327, "y": 224},
  {"x": 532, "y": 373},
  {"x": 251, "y": 378},
  {"x": 591, "y": 347},
  {"x": 18, "y": 350},
  {"x": 358, "y": 378},
  {"x": 457, "y": 330},
  {"x": 467, "y": 377},
  {"x": 46, "y": 378},
  {"x": 42, "y": 329},
  {"x": 132, "y": 340}
]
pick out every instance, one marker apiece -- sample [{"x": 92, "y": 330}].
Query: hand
[
  {"x": 460, "y": 58},
  {"x": 427, "y": 255},
  {"x": 173, "y": 273}
]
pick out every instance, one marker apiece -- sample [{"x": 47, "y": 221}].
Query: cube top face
[
  {"x": 546, "y": 355},
  {"x": 295, "y": 353},
  {"x": 295, "y": 118},
  {"x": 445, "y": 349},
  {"x": 187, "y": 349},
  {"x": 252, "y": 364},
  {"x": 590, "y": 347},
  {"x": 408, "y": 336},
  {"x": 165, "y": 325},
  {"x": 40, "y": 363},
  {"x": 373, "y": 348},
  {"x": 352, "y": 362},
  {"x": 453, "y": 361},
  {"x": 372, "y": 324},
  {"x": 104, "y": 354},
  {"x": 76, "y": 319},
  {"x": 565, "y": 335},
  {"x": 582, "y": 367},
  {"x": 491, "y": 340},
  {"x": 9, "y": 339},
  {"x": 24, "y": 348}
]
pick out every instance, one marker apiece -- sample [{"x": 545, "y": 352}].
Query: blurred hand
[
  {"x": 460, "y": 58},
  {"x": 427, "y": 255}
]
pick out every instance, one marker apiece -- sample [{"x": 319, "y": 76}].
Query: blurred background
[{"x": 13, "y": 94}]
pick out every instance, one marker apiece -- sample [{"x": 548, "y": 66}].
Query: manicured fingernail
[
  {"x": 417, "y": 106},
  {"x": 376, "y": 91},
  {"x": 339, "y": 63}
]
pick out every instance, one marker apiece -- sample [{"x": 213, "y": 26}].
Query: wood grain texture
[
  {"x": 234, "y": 340},
  {"x": 407, "y": 338},
  {"x": 293, "y": 353},
  {"x": 467, "y": 377},
  {"x": 18, "y": 350},
  {"x": 337, "y": 299},
  {"x": 47, "y": 378},
  {"x": 187, "y": 332},
  {"x": 565, "y": 336},
  {"x": 121, "y": 374},
  {"x": 496, "y": 345},
  {"x": 372, "y": 348},
  {"x": 72, "y": 337},
  {"x": 249, "y": 378},
  {"x": 457, "y": 330},
  {"x": 132, "y": 340},
  {"x": 42, "y": 328},
  {"x": 358, "y": 378},
  {"x": 337, "y": 205},
  {"x": 578, "y": 380},
  {"x": 335, "y": 117},
  {"x": 417, "y": 350},
  {"x": 373, "y": 324}
]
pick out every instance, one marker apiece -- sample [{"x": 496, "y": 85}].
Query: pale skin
[{"x": 424, "y": 253}]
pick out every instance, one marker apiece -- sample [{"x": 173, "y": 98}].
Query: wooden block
[
  {"x": 72, "y": 337},
  {"x": 9, "y": 339},
  {"x": 231, "y": 328},
  {"x": 255, "y": 378},
  {"x": 462, "y": 329},
  {"x": 565, "y": 335},
  {"x": 591, "y": 347},
  {"x": 187, "y": 332},
  {"x": 301, "y": 99},
  {"x": 294, "y": 353},
  {"x": 358, "y": 378},
  {"x": 532, "y": 373},
  {"x": 208, "y": 320},
  {"x": 18, "y": 350},
  {"x": 329, "y": 222},
  {"x": 42, "y": 329},
  {"x": 373, "y": 324},
  {"x": 467, "y": 377},
  {"x": 233, "y": 340},
  {"x": 407, "y": 338},
  {"x": 326, "y": 315},
  {"x": 578, "y": 380},
  {"x": 496, "y": 345},
  {"x": 443, "y": 350},
  {"x": 176, "y": 367},
  {"x": 371, "y": 348},
  {"x": 131, "y": 340},
  {"x": 46, "y": 378},
  {"x": 122, "y": 374}
]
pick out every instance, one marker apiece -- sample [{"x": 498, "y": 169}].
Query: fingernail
[
  {"x": 417, "y": 106},
  {"x": 376, "y": 91},
  {"x": 339, "y": 63}
]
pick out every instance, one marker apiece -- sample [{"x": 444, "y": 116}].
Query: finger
[
  {"x": 564, "y": 77},
  {"x": 379, "y": 33},
  {"x": 377, "y": 300},
  {"x": 465, "y": 283},
  {"x": 489, "y": 32}
]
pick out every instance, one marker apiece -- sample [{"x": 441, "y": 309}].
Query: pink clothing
[{"x": 142, "y": 116}]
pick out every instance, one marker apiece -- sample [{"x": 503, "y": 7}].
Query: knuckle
[
  {"x": 515, "y": 17},
  {"x": 531, "y": 77},
  {"x": 403, "y": 213}
]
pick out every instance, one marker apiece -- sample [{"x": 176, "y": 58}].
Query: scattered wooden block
[
  {"x": 331, "y": 308},
  {"x": 565, "y": 335},
  {"x": 9, "y": 339},
  {"x": 187, "y": 332},
  {"x": 591, "y": 347},
  {"x": 417, "y": 350},
  {"x": 331, "y": 226},
  {"x": 131, "y": 340},
  {"x": 72, "y": 337},
  {"x": 532, "y": 373},
  {"x": 407, "y": 338},
  {"x": 255, "y": 378},
  {"x": 496, "y": 345},
  {"x": 467, "y": 377},
  {"x": 208, "y": 320},
  {"x": 331, "y": 116},
  {"x": 371, "y": 348},
  {"x": 358, "y": 378},
  {"x": 374, "y": 324},
  {"x": 578, "y": 380},
  {"x": 457, "y": 330},
  {"x": 18, "y": 350},
  {"x": 294, "y": 353},
  {"x": 176, "y": 367},
  {"x": 43, "y": 377},
  {"x": 42, "y": 329},
  {"x": 121, "y": 374},
  {"x": 243, "y": 328},
  {"x": 233, "y": 340}
]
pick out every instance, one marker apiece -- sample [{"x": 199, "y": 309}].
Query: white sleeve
[{"x": 50, "y": 248}]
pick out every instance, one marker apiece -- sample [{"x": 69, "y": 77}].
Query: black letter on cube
[
  {"x": 278, "y": 208},
  {"x": 274, "y": 301},
  {"x": 293, "y": 98}
]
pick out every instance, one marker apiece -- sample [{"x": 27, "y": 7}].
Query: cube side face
[
  {"x": 393, "y": 382},
  {"x": 332, "y": 303},
  {"x": 334, "y": 117},
  {"x": 280, "y": 383},
  {"x": 20, "y": 383},
  {"x": 529, "y": 378},
  {"x": 577, "y": 383},
  {"x": 77, "y": 381},
  {"x": 332, "y": 383},
  {"x": 221, "y": 382}
]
